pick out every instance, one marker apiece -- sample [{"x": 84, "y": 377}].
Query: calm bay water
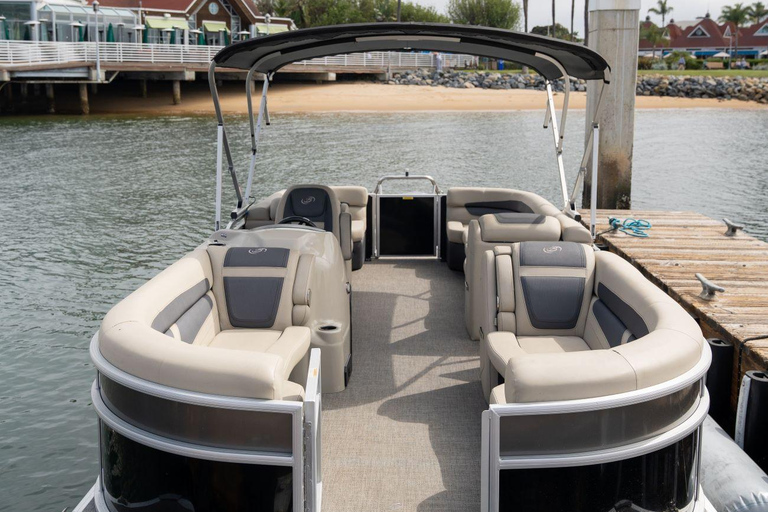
[{"x": 91, "y": 208}]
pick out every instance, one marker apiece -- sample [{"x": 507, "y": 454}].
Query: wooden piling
[
  {"x": 84, "y": 107},
  {"x": 143, "y": 88},
  {"x": 614, "y": 33},
  {"x": 176, "y": 92},
  {"x": 24, "y": 89},
  {"x": 50, "y": 100},
  {"x": 94, "y": 89}
]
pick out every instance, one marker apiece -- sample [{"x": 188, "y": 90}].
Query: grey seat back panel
[
  {"x": 190, "y": 323},
  {"x": 480, "y": 208},
  {"x": 612, "y": 327},
  {"x": 252, "y": 302},
  {"x": 623, "y": 311},
  {"x": 553, "y": 302},
  {"x": 181, "y": 304},
  {"x": 312, "y": 203},
  {"x": 553, "y": 287}
]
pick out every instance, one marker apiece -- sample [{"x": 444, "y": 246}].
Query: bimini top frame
[{"x": 551, "y": 58}]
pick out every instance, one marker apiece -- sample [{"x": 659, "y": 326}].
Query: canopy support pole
[
  {"x": 587, "y": 152},
  {"x": 552, "y": 116},
  {"x": 221, "y": 144},
  {"x": 593, "y": 191},
  {"x": 566, "y": 101},
  {"x": 255, "y": 126}
]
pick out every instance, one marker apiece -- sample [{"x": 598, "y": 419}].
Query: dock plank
[{"x": 684, "y": 243}]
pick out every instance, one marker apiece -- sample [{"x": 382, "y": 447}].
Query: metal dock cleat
[
  {"x": 709, "y": 288},
  {"x": 733, "y": 229}
]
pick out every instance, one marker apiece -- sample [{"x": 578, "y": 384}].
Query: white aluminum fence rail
[{"x": 20, "y": 53}]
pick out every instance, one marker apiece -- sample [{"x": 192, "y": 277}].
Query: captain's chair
[{"x": 320, "y": 205}]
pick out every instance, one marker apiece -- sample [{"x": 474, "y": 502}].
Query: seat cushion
[
  {"x": 519, "y": 227},
  {"x": 502, "y": 346},
  {"x": 291, "y": 345},
  {"x": 456, "y": 231},
  {"x": 358, "y": 230},
  {"x": 498, "y": 395},
  {"x": 551, "y": 344}
]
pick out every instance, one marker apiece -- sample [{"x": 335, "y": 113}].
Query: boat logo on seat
[
  {"x": 258, "y": 250},
  {"x": 308, "y": 200},
  {"x": 552, "y": 249}
]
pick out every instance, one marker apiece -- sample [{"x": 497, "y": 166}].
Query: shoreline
[{"x": 348, "y": 97}]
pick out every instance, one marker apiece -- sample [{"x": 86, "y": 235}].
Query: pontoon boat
[{"x": 501, "y": 360}]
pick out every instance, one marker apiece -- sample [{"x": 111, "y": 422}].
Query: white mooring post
[{"x": 614, "y": 29}]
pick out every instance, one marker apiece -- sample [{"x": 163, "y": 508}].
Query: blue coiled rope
[{"x": 632, "y": 227}]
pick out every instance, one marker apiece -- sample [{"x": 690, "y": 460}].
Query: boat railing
[
  {"x": 25, "y": 53},
  {"x": 650, "y": 436},
  {"x": 179, "y": 429}
]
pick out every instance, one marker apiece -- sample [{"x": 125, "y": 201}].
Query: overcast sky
[{"x": 540, "y": 11}]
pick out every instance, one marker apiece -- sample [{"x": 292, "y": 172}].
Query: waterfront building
[
  {"x": 63, "y": 20},
  {"x": 211, "y": 22},
  {"x": 704, "y": 37}
]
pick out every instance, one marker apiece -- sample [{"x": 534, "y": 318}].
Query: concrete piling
[
  {"x": 50, "y": 100},
  {"x": 143, "y": 88},
  {"x": 614, "y": 33},
  {"x": 94, "y": 89},
  {"x": 85, "y": 109},
  {"x": 176, "y": 92}
]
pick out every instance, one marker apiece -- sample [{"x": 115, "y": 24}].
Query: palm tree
[
  {"x": 525, "y": 14},
  {"x": 757, "y": 12},
  {"x": 655, "y": 36},
  {"x": 573, "y": 10},
  {"x": 737, "y": 14},
  {"x": 662, "y": 9},
  {"x": 586, "y": 22},
  {"x": 554, "y": 23}
]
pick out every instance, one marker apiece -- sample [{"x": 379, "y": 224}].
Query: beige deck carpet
[{"x": 405, "y": 434}]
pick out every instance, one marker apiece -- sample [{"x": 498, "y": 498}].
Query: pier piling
[
  {"x": 614, "y": 33},
  {"x": 143, "y": 88},
  {"x": 94, "y": 89},
  {"x": 84, "y": 107},
  {"x": 24, "y": 88},
  {"x": 50, "y": 98},
  {"x": 176, "y": 92}
]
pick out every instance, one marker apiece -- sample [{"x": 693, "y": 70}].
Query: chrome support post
[
  {"x": 255, "y": 127},
  {"x": 593, "y": 191},
  {"x": 219, "y": 147},
  {"x": 558, "y": 148},
  {"x": 566, "y": 101}
]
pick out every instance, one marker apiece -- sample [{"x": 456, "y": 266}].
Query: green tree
[
  {"x": 737, "y": 14},
  {"x": 662, "y": 9},
  {"x": 757, "y": 12},
  {"x": 561, "y": 32},
  {"x": 488, "y": 13},
  {"x": 655, "y": 36}
]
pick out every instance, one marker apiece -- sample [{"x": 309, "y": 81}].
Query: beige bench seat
[
  {"x": 564, "y": 322},
  {"x": 291, "y": 345}
]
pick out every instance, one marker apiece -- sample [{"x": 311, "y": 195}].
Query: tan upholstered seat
[
  {"x": 494, "y": 217},
  {"x": 222, "y": 320},
  {"x": 356, "y": 200},
  {"x": 563, "y": 322}
]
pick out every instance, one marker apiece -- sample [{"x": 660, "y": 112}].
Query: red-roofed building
[
  {"x": 217, "y": 22},
  {"x": 705, "y": 37}
]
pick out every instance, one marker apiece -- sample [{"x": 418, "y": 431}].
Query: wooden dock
[{"x": 682, "y": 244}]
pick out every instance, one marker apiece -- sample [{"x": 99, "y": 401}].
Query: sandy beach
[{"x": 350, "y": 97}]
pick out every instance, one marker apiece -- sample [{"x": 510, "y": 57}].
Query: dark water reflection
[{"x": 91, "y": 208}]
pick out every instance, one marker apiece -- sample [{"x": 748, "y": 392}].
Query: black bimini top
[{"x": 270, "y": 53}]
